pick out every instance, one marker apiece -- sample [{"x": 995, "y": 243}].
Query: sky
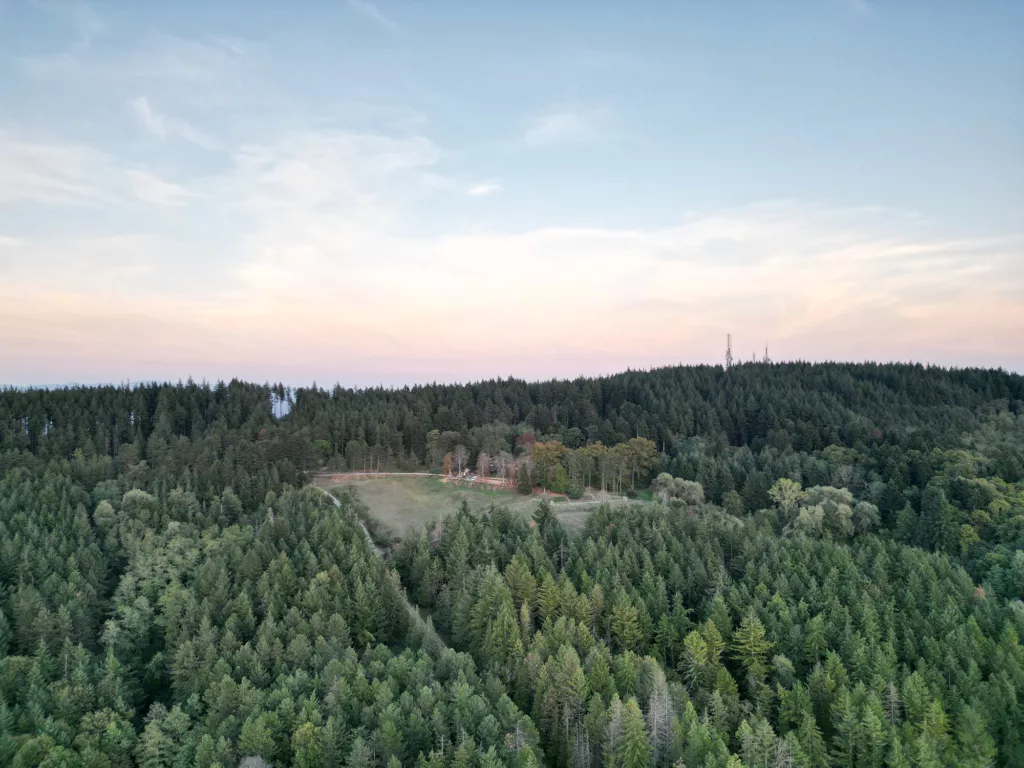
[{"x": 397, "y": 192}]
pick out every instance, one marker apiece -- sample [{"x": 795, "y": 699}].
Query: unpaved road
[{"x": 414, "y": 611}]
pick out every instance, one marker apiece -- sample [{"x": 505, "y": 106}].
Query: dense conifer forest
[{"x": 830, "y": 572}]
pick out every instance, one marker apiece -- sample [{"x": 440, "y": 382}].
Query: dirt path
[
  {"x": 343, "y": 475},
  {"x": 366, "y": 532},
  {"x": 414, "y": 610}
]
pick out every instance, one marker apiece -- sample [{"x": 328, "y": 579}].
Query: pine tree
[
  {"x": 745, "y": 738},
  {"x": 815, "y": 644},
  {"x": 547, "y": 599},
  {"x": 155, "y": 749},
  {"x": 307, "y": 747},
  {"x": 897, "y": 756},
  {"x": 935, "y": 727},
  {"x": 695, "y": 658},
  {"x": 599, "y": 678},
  {"x": 521, "y": 581},
  {"x": 873, "y": 739},
  {"x": 635, "y": 750},
  {"x": 256, "y": 739},
  {"x": 7, "y": 743},
  {"x": 933, "y": 511},
  {"x": 504, "y": 645},
  {"x": 360, "y": 755},
  {"x": 845, "y": 741},
  {"x": 975, "y": 747},
  {"x": 751, "y": 646},
  {"x": 812, "y": 742},
  {"x": 626, "y": 626},
  {"x": 907, "y": 528},
  {"x": 333, "y": 740},
  {"x": 5, "y": 634},
  {"x": 927, "y": 752},
  {"x": 613, "y": 732},
  {"x": 388, "y": 740},
  {"x": 714, "y": 641}
]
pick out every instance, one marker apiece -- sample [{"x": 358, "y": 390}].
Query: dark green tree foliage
[
  {"x": 883, "y": 432},
  {"x": 168, "y": 599},
  {"x": 775, "y": 647},
  {"x": 280, "y": 636}
]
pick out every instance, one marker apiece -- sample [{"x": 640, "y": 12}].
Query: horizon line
[{"x": 132, "y": 384}]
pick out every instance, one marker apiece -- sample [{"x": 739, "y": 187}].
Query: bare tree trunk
[
  {"x": 659, "y": 716},
  {"x": 613, "y": 732},
  {"x": 581, "y": 756}
]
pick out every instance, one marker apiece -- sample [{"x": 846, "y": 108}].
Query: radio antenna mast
[{"x": 728, "y": 351}]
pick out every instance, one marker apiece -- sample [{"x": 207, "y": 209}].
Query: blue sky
[{"x": 391, "y": 192}]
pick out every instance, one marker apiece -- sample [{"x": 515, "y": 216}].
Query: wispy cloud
[
  {"x": 304, "y": 233},
  {"x": 144, "y": 263},
  {"x": 349, "y": 173},
  {"x": 151, "y": 189},
  {"x": 325, "y": 213},
  {"x": 162, "y": 58},
  {"x": 565, "y": 125},
  {"x": 67, "y": 174},
  {"x": 816, "y": 282},
  {"x": 484, "y": 188},
  {"x": 51, "y": 172},
  {"x": 189, "y": 60},
  {"x": 370, "y": 11},
  {"x": 163, "y": 126}
]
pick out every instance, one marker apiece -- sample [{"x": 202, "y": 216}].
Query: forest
[{"x": 829, "y": 572}]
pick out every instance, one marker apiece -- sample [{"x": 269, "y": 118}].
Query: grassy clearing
[{"x": 403, "y": 502}]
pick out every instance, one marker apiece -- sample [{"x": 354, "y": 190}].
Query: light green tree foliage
[
  {"x": 787, "y": 494},
  {"x": 666, "y": 488},
  {"x": 825, "y": 510},
  {"x": 751, "y": 646},
  {"x": 635, "y": 750}
]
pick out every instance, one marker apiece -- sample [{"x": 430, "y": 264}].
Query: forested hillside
[
  {"x": 166, "y": 600},
  {"x": 884, "y": 432},
  {"x": 178, "y": 632},
  {"x": 679, "y": 635},
  {"x": 830, "y": 573}
]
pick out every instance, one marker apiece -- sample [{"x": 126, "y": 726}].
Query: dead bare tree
[
  {"x": 659, "y": 715},
  {"x": 511, "y": 468},
  {"x": 893, "y": 706},
  {"x": 460, "y": 455},
  {"x": 501, "y": 462},
  {"x": 613, "y": 731},
  {"x": 483, "y": 465},
  {"x": 581, "y": 755},
  {"x": 516, "y": 740},
  {"x": 783, "y": 755}
]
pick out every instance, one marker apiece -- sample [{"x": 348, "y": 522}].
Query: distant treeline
[{"x": 885, "y": 432}]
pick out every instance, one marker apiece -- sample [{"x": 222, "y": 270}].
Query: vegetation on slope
[
  {"x": 717, "y": 640},
  {"x": 831, "y": 574}
]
